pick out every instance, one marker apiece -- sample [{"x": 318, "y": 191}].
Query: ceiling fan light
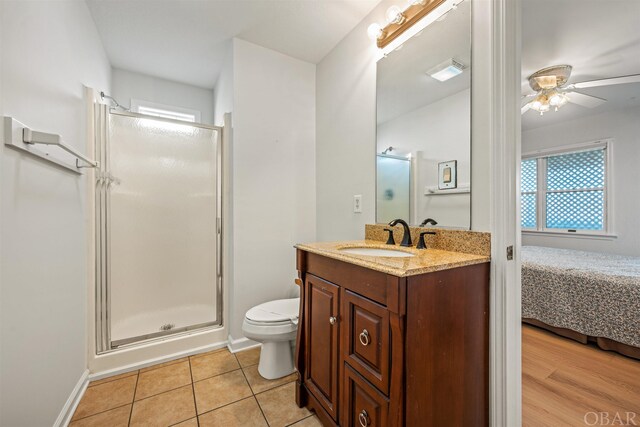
[
  {"x": 555, "y": 99},
  {"x": 563, "y": 100}
]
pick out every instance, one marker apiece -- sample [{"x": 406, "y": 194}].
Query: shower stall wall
[{"x": 158, "y": 228}]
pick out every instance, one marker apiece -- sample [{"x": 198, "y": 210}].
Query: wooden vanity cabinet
[{"x": 375, "y": 349}]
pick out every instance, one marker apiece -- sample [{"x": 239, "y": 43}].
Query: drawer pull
[
  {"x": 333, "y": 320},
  {"x": 363, "y": 418},
  {"x": 364, "y": 338}
]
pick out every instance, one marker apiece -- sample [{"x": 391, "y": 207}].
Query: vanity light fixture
[
  {"x": 447, "y": 70},
  {"x": 402, "y": 24},
  {"x": 375, "y": 31},
  {"x": 395, "y": 15}
]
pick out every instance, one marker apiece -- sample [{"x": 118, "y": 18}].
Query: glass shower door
[
  {"x": 162, "y": 210},
  {"x": 393, "y": 188}
]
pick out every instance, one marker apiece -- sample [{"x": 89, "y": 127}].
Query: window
[
  {"x": 165, "y": 111},
  {"x": 565, "y": 190}
]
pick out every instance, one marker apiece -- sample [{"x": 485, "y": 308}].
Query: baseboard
[
  {"x": 157, "y": 360},
  {"x": 240, "y": 344},
  {"x": 69, "y": 408}
]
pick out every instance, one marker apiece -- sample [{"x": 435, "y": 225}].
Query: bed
[{"x": 585, "y": 296}]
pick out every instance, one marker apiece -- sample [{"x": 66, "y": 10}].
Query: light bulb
[
  {"x": 536, "y": 105},
  {"x": 563, "y": 100},
  {"x": 374, "y": 31},
  {"x": 555, "y": 99},
  {"x": 394, "y": 15}
]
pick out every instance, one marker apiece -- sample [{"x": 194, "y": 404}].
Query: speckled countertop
[{"x": 424, "y": 261}]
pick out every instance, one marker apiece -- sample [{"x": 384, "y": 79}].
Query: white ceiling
[
  {"x": 187, "y": 40},
  {"x": 600, "y": 39}
]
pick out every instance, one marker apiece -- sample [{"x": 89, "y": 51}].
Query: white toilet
[{"x": 274, "y": 324}]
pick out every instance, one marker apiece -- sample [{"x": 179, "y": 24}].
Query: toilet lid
[{"x": 275, "y": 311}]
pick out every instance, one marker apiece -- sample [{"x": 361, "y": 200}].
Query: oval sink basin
[{"x": 377, "y": 252}]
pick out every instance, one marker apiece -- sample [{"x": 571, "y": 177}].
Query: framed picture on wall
[{"x": 447, "y": 175}]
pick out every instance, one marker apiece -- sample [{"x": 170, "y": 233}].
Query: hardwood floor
[{"x": 565, "y": 383}]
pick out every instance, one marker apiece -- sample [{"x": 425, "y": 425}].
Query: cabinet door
[
  {"x": 365, "y": 332},
  {"x": 362, "y": 404},
  {"x": 321, "y": 331}
]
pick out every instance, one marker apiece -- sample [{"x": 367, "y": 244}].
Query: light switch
[{"x": 357, "y": 203}]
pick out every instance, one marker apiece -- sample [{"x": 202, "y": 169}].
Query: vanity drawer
[
  {"x": 362, "y": 404},
  {"x": 366, "y": 338},
  {"x": 371, "y": 284}
]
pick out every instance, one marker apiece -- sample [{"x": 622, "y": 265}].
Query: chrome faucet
[
  {"x": 406, "y": 238},
  {"x": 429, "y": 221}
]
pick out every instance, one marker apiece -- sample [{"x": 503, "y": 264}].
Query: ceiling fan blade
[
  {"x": 585, "y": 100},
  {"x": 526, "y": 107},
  {"x": 634, "y": 78}
]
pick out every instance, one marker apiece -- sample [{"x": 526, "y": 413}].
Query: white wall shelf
[{"x": 434, "y": 191}]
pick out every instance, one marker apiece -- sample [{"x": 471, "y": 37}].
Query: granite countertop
[{"x": 424, "y": 261}]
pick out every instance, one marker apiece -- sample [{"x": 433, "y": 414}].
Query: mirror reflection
[{"x": 423, "y": 142}]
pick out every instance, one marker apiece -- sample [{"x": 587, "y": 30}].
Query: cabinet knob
[
  {"x": 364, "y": 338},
  {"x": 363, "y": 418},
  {"x": 333, "y": 320}
]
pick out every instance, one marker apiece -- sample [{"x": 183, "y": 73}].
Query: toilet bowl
[{"x": 274, "y": 324}]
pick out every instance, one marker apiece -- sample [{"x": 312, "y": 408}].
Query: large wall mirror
[{"x": 423, "y": 147}]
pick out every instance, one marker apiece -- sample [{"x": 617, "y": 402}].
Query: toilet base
[{"x": 276, "y": 360}]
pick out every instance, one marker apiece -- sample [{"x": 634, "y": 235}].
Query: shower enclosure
[
  {"x": 393, "y": 183},
  {"x": 158, "y": 216}
]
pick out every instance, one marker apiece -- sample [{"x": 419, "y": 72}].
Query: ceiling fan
[{"x": 552, "y": 91}]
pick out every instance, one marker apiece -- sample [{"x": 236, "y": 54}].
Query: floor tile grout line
[
  {"x": 216, "y": 375},
  {"x": 112, "y": 380},
  {"x": 101, "y": 412},
  {"x": 162, "y": 392},
  {"x": 162, "y": 365},
  {"x": 225, "y": 405},
  {"x": 184, "y": 421},
  {"x": 261, "y": 411},
  {"x": 193, "y": 390},
  {"x": 135, "y": 390},
  {"x": 254, "y": 396},
  {"x": 197, "y": 355},
  {"x": 270, "y": 388},
  {"x": 301, "y": 419},
  {"x": 278, "y": 386}
]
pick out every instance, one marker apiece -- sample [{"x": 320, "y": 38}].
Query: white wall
[
  {"x": 346, "y": 130},
  {"x": 223, "y": 90},
  {"x": 435, "y": 133},
  {"x": 273, "y": 173},
  {"x": 624, "y": 127},
  {"x": 126, "y": 85},
  {"x": 346, "y": 133},
  {"x": 50, "y": 49}
]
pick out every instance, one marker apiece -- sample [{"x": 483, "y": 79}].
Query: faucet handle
[
  {"x": 421, "y": 243},
  {"x": 390, "y": 240}
]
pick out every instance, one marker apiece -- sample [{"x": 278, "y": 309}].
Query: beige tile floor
[{"x": 211, "y": 389}]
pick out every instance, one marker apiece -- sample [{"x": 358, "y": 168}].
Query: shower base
[{"x": 142, "y": 326}]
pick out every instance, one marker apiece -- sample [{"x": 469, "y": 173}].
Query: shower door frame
[{"x": 103, "y": 237}]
